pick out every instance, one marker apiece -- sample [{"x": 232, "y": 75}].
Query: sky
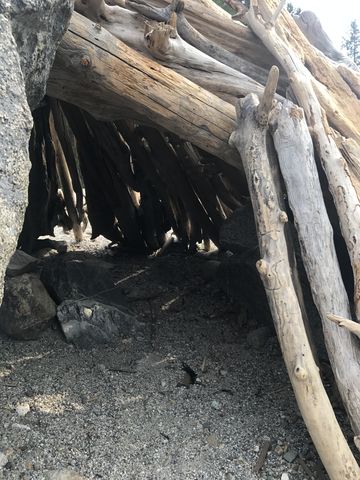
[{"x": 335, "y": 19}]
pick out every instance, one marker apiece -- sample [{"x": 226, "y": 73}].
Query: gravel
[{"x": 124, "y": 412}]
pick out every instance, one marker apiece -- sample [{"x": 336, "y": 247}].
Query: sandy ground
[{"x": 122, "y": 412}]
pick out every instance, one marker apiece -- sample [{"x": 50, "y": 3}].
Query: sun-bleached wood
[
  {"x": 341, "y": 187},
  {"x": 297, "y": 163},
  {"x": 275, "y": 271},
  {"x": 350, "y": 325},
  {"x": 102, "y": 75}
]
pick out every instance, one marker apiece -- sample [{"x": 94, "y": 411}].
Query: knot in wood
[
  {"x": 85, "y": 61},
  {"x": 300, "y": 373}
]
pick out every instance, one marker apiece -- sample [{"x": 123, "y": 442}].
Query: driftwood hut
[{"x": 170, "y": 115}]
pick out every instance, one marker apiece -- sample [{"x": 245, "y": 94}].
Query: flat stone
[
  {"x": 64, "y": 475},
  {"x": 290, "y": 456},
  {"x": 87, "y": 323}
]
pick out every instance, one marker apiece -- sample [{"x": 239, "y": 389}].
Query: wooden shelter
[{"x": 172, "y": 114}]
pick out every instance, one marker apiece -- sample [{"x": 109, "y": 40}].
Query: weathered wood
[
  {"x": 66, "y": 183},
  {"x": 190, "y": 62},
  {"x": 308, "y": 68},
  {"x": 137, "y": 87},
  {"x": 188, "y": 33},
  {"x": 296, "y": 157},
  {"x": 275, "y": 271},
  {"x": 341, "y": 187},
  {"x": 350, "y": 325},
  {"x": 216, "y": 25}
]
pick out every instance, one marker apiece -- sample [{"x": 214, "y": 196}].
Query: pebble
[
  {"x": 215, "y": 405},
  {"x": 20, "y": 426},
  {"x": 290, "y": 455},
  {"x": 213, "y": 441},
  {"x": 64, "y": 475},
  {"x": 22, "y": 409},
  {"x": 285, "y": 476},
  {"x": 279, "y": 450},
  {"x": 256, "y": 449},
  {"x": 3, "y": 460}
]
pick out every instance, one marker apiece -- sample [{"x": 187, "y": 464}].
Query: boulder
[
  {"x": 67, "y": 278},
  {"x": 21, "y": 263},
  {"x": 87, "y": 323},
  {"x": 30, "y": 31},
  {"x": 38, "y": 27},
  {"x": 27, "y": 307}
]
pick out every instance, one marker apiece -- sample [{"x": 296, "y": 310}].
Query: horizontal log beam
[{"x": 102, "y": 75}]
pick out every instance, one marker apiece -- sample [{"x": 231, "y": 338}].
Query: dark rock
[
  {"x": 290, "y": 456},
  {"x": 21, "y": 263},
  {"x": 238, "y": 233},
  {"x": 27, "y": 307},
  {"x": 87, "y": 323},
  {"x": 71, "y": 279},
  {"x": 258, "y": 338}
]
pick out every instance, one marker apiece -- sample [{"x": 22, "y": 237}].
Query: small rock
[
  {"x": 22, "y": 409},
  {"x": 256, "y": 449},
  {"x": 229, "y": 476},
  {"x": 88, "y": 312},
  {"x": 258, "y": 338},
  {"x": 20, "y": 426},
  {"x": 279, "y": 450},
  {"x": 64, "y": 475},
  {"x": 290, "y": 456},
  {"x": 3, "y": 459},
  {"x": 213, "y": 441},
  {"x": 223, "y": 372},
  {"x": 215, "y": 405},
  {"x": 285, "y": 476}
]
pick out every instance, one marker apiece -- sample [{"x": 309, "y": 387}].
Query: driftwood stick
[
  {"x": 275, "y": 271},
  {"x": 66, "y": 183},
  {"x": 277, "y": 12},
  {"x": 267, "y": 100},
  {"x": 350, "y": 325}
]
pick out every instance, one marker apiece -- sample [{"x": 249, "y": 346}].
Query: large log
[{"x": 100, "y": 74}]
